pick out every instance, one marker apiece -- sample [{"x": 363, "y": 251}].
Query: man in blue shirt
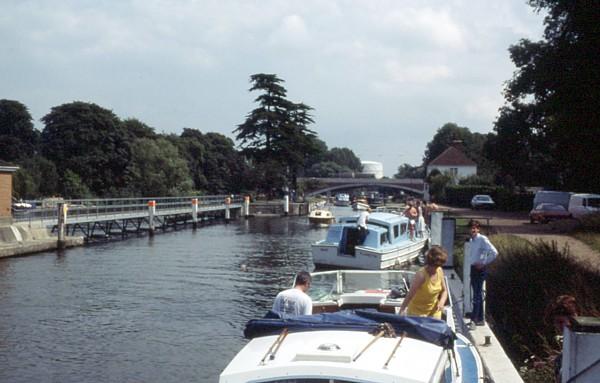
[{"x": 481, "y": 254}]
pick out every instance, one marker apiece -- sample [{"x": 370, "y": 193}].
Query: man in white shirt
[
  {"x": 295, "y": 301},
  {"x": 481, "y": 254},
  {"x": 361, "y": 224}
]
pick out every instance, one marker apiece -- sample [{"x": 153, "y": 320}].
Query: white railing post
[
  {"x": 286, "y": 205},
  {"x": 195, "y": 212},
  {"x": 227, "y": 212},
  {"x": 62, "y": 223},
  {"x": 246, "y": 206},
  {"x": 151, "y": 213}
]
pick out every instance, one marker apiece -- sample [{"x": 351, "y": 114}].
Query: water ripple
[{"x": 166, "y": 309}]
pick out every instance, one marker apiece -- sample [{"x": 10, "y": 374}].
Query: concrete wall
[{"x": 5, "y": 194}]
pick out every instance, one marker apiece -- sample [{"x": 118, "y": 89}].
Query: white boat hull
[{"x": 328, "y": 255}]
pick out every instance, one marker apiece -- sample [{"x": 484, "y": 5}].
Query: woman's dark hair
[
  {"x": 563, "y": 305},
  {"x": 436, "y": 256}
]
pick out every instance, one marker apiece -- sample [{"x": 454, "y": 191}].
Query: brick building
[{"x": 6, "y": 186}]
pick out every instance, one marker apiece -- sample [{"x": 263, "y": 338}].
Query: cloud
[
  {"x": 426, "y": 24},
  {"x": 483, "y": 108},
  {"x": 421, "y": 74},
  {"x": 291, "y": 31}
]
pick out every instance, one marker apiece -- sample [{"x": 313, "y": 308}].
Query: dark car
[
  {"x": 482, "y": 201},
  {"x": 546, "y": 212}
]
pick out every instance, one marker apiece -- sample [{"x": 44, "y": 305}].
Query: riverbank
[
  {"x": 18, "y": 240},
  {"x": 537, "y": 263}
]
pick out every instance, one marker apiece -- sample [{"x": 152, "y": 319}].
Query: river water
[{"x": 166, "y": 309}]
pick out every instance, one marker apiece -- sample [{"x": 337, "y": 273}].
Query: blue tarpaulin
[{"x": 428, "y": 329}]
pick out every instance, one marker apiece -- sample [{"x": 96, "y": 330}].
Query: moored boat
[
  {"x": 354, "y": 336},
  {"x": 321, "y": 217},
  {"x": 391, "y": 240},
  {"x": 360, "y": 204},
  {"x": 342, "y": 199}
]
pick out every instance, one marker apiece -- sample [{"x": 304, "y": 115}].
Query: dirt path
[{"x": 518, "y": 224}]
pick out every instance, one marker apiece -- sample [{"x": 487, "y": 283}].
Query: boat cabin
[{"x": 384, "y": 229}]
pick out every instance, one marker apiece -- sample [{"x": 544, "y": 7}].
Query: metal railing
[{"x": 47, "y": 210}]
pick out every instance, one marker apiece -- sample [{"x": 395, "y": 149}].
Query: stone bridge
[{"x": 314, "y": 186}]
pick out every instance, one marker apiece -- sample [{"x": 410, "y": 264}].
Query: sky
[{"x": 381, "y": 75}]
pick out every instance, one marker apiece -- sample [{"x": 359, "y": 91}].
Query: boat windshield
[
  {"x": 329, "y": 285},
  {"x": 309, "y": 380}
]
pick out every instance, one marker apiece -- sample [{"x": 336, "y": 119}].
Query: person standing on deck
[
  {"x": 428, "y": 292},
  {"x": 481, "y": 254},
  {"x": 361, "y": 225},
  {"x": 295, "y": 301}
]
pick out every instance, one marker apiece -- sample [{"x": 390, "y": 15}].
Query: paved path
[{"x": 518, "y": 224}]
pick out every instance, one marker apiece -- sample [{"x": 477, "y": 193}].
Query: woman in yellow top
[{"x": 428, "y": 293}]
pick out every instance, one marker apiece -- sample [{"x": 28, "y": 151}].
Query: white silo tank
[{"x": 373, "y": 167}]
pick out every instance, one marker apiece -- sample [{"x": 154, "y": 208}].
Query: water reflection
[{"x": 169, "y": 308}]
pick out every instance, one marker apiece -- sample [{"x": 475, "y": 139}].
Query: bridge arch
[{"x": 357, "y": 185}]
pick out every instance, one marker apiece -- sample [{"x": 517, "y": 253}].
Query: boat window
[
  {"x": 396, "y": 231},
  {"x": 383, "y": 238},
  {"x": 403, "y": 228}
]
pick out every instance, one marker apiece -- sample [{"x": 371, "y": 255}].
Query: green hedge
[{"x": 461, "y": 195}]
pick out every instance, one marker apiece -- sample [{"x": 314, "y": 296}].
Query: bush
[
  {"x": 590, "y": 222},
  {"x": 523, "y": 280}
]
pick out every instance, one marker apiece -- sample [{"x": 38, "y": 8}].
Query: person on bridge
[
  {"x": 361, "y": 225},
  {"x": 295, "y": 301},
  {"x": 481, "y": 254},
  {"x": 428, "y": 293}
]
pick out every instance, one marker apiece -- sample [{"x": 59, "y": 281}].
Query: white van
[{"x": 582, "y": 204}]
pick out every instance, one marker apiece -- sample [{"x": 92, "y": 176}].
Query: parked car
[
  {"x": 582, "y": 204},
  {"x": 551, "y": 196},
  {"x": 546, "y": 212},
  {"x": 482, "y": 201}
]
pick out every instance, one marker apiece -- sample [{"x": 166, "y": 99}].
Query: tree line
[
  {"x": 546, "y": 133},
  {"x": 85, "y": 151}
]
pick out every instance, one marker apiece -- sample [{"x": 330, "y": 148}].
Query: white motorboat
[
  {"x": 367, "y": 344},
  {"x": 342, "y": 199},
  {"x": 321, "y": 217},
  {"x": 391, "y": 241},
  {"x": 360, "y": 204}
]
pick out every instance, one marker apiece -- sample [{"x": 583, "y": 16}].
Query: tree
[
  {"x": 36, "y": 178},
  {"x": 344, "y": 157},
  {"x": 448, "y": 134},
  {"x": 409, "y": 171},
  {"x": 327, "y": 169},
  {"x": 216, "y": 167},
  {"x": 91, "y": 142},
  {"x": 137, "y": 129},
  {"x": 18, "y": 138},
  {"x": 277, "y": 131},
  {"x": 558, "y": 82},
  {"x": 157, "y": 169}
]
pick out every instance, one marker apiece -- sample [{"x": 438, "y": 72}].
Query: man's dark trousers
[{"x": 477, "y": 279}]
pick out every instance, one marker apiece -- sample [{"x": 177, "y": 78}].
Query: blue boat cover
[{"x": 428, "y": 329}]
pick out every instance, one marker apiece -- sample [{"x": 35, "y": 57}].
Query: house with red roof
[{"x": 454, "y": 162}]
